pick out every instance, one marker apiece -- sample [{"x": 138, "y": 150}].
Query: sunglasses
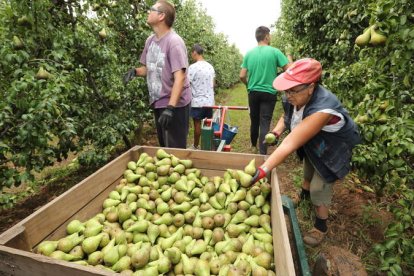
[
  {"x": 155, "y": 10},
  {"x": 293, "y": 92}
]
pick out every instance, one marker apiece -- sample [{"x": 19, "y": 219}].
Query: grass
[{"x": 237, "y": 96}]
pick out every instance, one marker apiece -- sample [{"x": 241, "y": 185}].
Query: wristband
[
  {"x": 276, "y": 134},
  {"x": 263, "y": 170}
]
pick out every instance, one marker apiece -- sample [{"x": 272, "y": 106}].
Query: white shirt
[
  {"x": 298, "y": 114},
  {"x": 201, "y": 75}
]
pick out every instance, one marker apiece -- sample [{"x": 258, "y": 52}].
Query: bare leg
[{"x": 197, "y": 132}]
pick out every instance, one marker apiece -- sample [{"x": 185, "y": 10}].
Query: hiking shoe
[
  {"x": 192, "y": 147},
  {"x": 314, "y": 237}
]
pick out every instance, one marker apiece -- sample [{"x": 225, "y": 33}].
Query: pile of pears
[{"x": 165, "y": 217}]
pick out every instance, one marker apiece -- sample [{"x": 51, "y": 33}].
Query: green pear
[
  {"x": 187, "y": 163},
  {"x": 264, "y": 222},
  {"x": 239, "y": 217},
  {"x": 102, "y": 33},
  {"x": 256, "y": 269},
  {"x": 183, "y": 207},
  {"x": 142, "y": 158},
  {"x": 253, "y": 221},
  {"x": 132, "y": 165},
  {"x": 188, "y": 268},
  {"x": 124, "y": 212},
  {"x": 377, "y": 38},
  {"x": 174, "y": 254},
  {"x": 264, "y": 237},
  {"x": 91, "y": 244},
  {"x": 245, "y": 179},
  {"x": 17, "y": 42},
  {"x": 109, "y": 202},
  {"x": 234, "y": 185},
  {"x": 234, "y": 230},
  {"x": 251, "y": 167},
  {"x": 264, "y": 259},
  {"x": 77, "y": 253},
  {"x": 180, "y": 168},
  {"x": 75, "y": 226},
  {"x": 42, "y": 74},
  {"x": 202, "y": 268},
  {"x": 239, "y": 195},
  {"x": 259, "y": 200},
  {"x": 132, "y": 177},
  {"x": 215, "y": 266},
  {"x": 161, "y": 154},
  {"x": 199, "y": 247},
  {"x": 60, "y": 255},
  {"x": 215, "y": 203},
  {"x": 248, "y": 245},
  {"x": 95, "y": 258},
  {"x": 124, "y": 263},
  {"x": 111, "y": 256},
  {"x": 47, "y": 247},
  {"x": 139, "y": 226},
  {"x": 225, "y": 188},
  {"x": 67, "y": 243},
  {"x": 270, "y": 138},
  {"x": 363, "y": 39},
  {"x": 141, "y": 257}
]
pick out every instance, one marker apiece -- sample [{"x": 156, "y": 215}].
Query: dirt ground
[{"x": 352, "y": 226}]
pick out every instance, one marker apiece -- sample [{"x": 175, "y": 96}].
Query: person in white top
[{"x": 202, "y": 81}]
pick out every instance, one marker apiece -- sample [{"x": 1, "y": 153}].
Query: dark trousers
[
  {"x": 176, "y": 134},
  {"x": 261, "y": 106}
]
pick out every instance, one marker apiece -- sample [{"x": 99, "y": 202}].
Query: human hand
[
  {"x": 129, "y": 76},
  {"x": 271, "y": 139},
  {"x": 259, "y": 174},
  {"x": 166, "y": 117}
]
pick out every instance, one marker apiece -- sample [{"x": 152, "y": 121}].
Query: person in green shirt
[{"x": 259, "y": 69}]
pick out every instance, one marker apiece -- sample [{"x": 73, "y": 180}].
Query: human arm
[
  {"x": 280, "y": 126},
  {"x": 177, "y": 89},
  {"x": 299, "y": 136},
  {"x": 141, "y": 71},
  {"x": 243, "y": 75},
  {"x": 286, "y": 66}
]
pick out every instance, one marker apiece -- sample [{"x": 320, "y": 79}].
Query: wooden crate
[{"x": 85, "y": 199}]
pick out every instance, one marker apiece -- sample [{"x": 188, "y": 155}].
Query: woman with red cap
[{"x": 320, "y": 130}]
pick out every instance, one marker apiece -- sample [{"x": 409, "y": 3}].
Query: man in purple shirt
[{"x": 165, "y": 62}]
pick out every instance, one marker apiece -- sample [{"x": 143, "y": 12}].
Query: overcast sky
[{"x": 239, "y": 19}]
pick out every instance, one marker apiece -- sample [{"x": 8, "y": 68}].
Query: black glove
[
  {"x": 274, "y": 142},
  {"x": 166, "y": 117},
  {"x": 259, "y": 174},
  {"x": 129, "y": 75}
]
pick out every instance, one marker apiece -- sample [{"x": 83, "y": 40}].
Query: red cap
[{"x": 302, "y": 71}]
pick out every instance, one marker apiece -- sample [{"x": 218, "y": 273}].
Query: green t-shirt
[{"x": 261, "y": 63}]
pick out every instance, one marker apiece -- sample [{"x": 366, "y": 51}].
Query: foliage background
[
  {"x": 86, "y": 47},
  {"x": 376, "y": 85}
]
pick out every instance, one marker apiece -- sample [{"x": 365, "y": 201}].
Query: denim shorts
[
  {"x": 320, "y": 190},
  {"x": 200, "y": 113}
]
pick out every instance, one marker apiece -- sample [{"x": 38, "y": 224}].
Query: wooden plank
[
  {"x": 20, "y": 263},
  {"x": 282, "y": 251}
]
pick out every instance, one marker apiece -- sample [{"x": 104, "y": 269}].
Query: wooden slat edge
[
  {"x": 20, "y": 263},
  {"x": 281, "y": 244}
]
